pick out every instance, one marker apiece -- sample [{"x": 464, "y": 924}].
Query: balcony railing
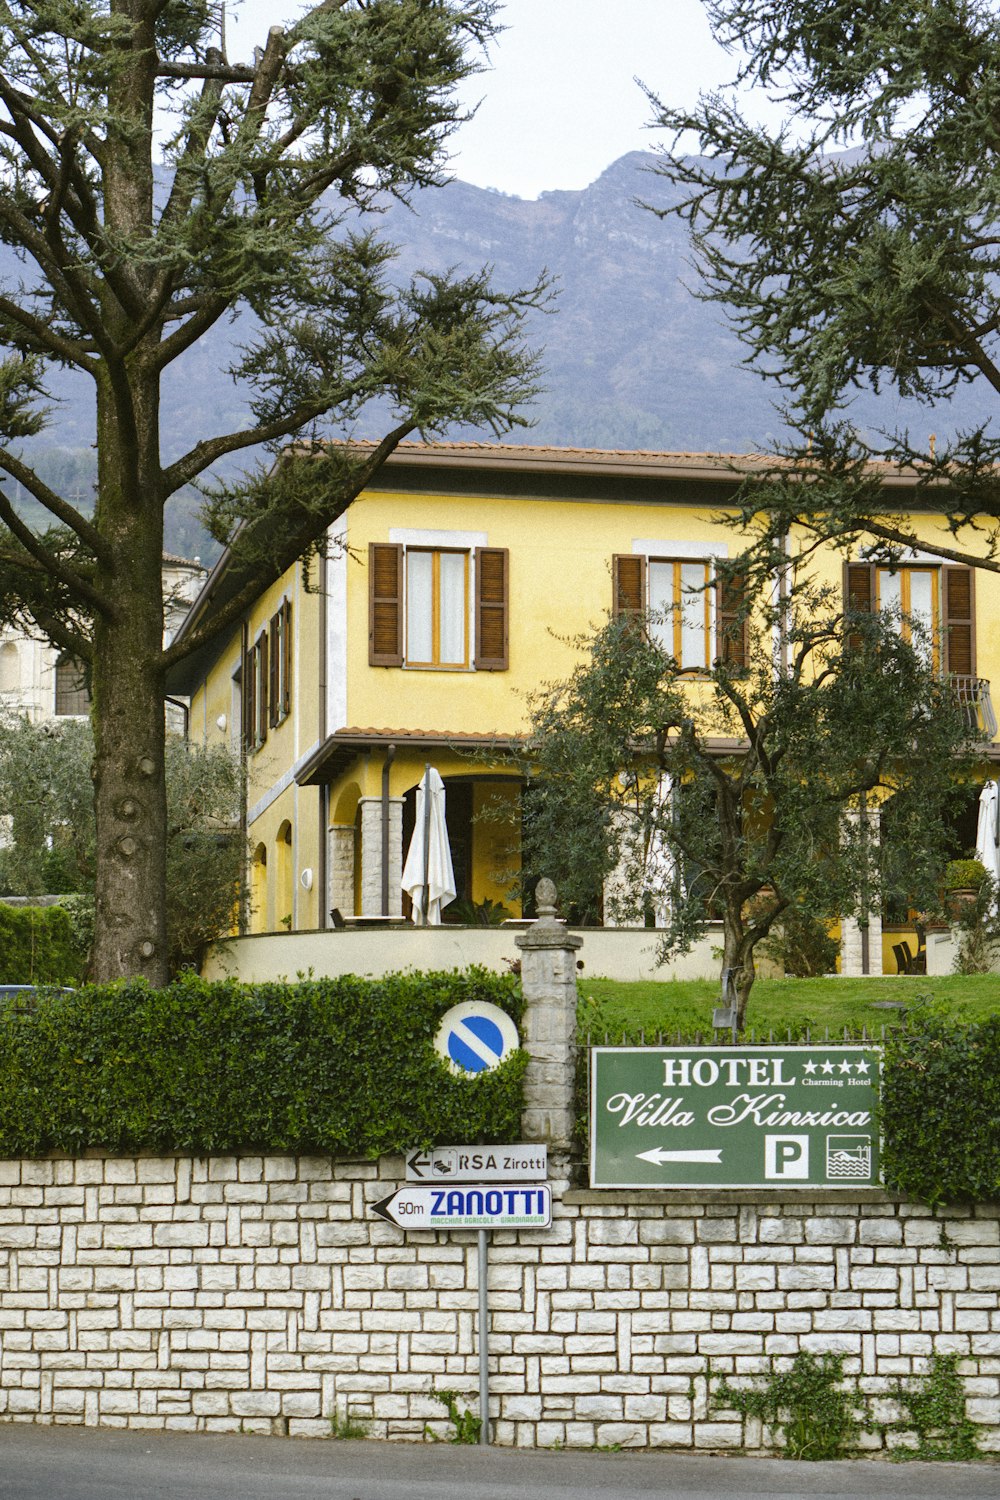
[{"x": 974, "y": 700}]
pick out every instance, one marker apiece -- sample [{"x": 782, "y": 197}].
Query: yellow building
[{"x": 454, "y": 587}]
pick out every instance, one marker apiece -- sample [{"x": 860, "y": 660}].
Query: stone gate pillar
[{"x": 548, "y": 980}]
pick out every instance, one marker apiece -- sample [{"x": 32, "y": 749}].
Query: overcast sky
[{"x": 560, "y": 102}]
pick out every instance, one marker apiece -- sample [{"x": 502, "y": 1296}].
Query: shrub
[
  {"x": 802, "y": 945},
  {"x": 806, "y": 1403},
  {"x": 39, "y": 945},
  {"x": 932, "y": 1408},
  {"x": 964, "y": 875},
  {"x": 330, "y": 1065},
  {"x": 978, "y": 921},
  {"x": 939, "y": 1109}
]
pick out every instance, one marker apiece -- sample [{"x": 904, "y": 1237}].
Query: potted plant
[{"x": 963, "y": 879}]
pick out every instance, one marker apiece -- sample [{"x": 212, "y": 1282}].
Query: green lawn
[{"x": 613, "y": 1007}]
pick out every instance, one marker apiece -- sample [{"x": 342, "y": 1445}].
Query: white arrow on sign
[
  {"x": 523, "y": 1162},
  {"x": 465, "y": 1206},
  {"x": 660, "y": 1157}
]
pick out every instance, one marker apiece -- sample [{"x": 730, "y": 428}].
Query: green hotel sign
[{"x": 733, "y": 1117}]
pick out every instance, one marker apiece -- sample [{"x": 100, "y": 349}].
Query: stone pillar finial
[{"x": 545, "y": 902}]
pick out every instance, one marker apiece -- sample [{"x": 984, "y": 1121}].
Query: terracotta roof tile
[
  {"x": 451, "y": 736},
  {"x": 543, "y": 456}
]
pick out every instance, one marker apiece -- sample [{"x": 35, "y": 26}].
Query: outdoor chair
[
  {"x": 908, "y": 962},
  {"x": 903, "y": 955}
]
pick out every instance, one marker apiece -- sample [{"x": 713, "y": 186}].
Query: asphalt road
[{"x": 74, "y": 1463}]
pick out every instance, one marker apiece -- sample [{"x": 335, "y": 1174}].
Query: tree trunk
[
  {"x": 130, "y": 935},
  {"x": 737, "y": 959},
  {"x": 128, "y": 688}
]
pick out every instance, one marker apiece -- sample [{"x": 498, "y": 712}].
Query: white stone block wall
[
  {"x": 341, "y": 867},
  {"x": 260, "y": 1294}
]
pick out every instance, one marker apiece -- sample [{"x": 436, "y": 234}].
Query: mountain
[{"x": 632, "y": 357}]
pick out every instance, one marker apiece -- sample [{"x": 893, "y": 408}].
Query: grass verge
[{"x": 685, "y": 1005}]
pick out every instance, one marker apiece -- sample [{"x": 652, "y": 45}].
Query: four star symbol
[{"x": 862, "y": 1068}]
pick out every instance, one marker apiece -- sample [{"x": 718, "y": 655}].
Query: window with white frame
[
  {"x": 438, "y": 601},
  {"x": 695, "y": 612},
  {"x": 935, "y": 605},
  {"x": 280, "y": 679},
  {"x": 437, "y": 607},
  {"x": 911, "y": 595},
  {"x": 681, "y": 610},
  {"x": 255, "y": 685}
]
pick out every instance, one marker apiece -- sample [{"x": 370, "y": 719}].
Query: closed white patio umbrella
[
  {"x": 428, "y": 875},
  {"x": 988, "y": 829}
]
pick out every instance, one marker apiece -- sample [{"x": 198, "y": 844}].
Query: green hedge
[
  {"x": 330, "y": 1065},
  {"x": 939, "y": 1109},
  {"x": 38, "y": 945}
]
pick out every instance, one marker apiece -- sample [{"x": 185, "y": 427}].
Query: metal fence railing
[{"x": 802, "y": 1036}]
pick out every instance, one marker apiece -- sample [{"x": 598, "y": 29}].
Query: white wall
[{"x": 610, "y": 953}]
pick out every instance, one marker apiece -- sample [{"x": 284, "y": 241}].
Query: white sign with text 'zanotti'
[{"x": 468, "y": 1206}]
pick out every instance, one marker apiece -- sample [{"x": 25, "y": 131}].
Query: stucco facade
[{"x": 402, "y": 657}]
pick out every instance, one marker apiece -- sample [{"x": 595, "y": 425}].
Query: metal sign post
[
  {"x": 484, "y": 1341},
  {"x": 481, "y": 1205}
]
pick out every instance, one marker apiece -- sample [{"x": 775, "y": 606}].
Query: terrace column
[
  {"x": 371, "y": 857},
  {"x": 340, "y": 863},
  {"x": 861, "y": 941}
]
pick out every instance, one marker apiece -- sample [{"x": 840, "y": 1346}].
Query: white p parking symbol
[{"x": 786, "y": 1156}]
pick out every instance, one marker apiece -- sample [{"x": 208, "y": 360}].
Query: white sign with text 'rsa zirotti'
[{"x": 519, "y": 1163}]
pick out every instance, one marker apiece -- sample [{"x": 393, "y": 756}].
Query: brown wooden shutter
[
  {"x": 385, "y": 604},
  {"x": 274, "y": 671},
  {"x": 492, "y": 593},
  {"x": 286, "y": 682},
  {"x": 248, "y": 698},
  {"x": 629, "y": 580},
  {"x": 260, "y": 658},
  {"x": 959, "y": 617},
  {"x": 731, "y": 624},
  {"x": 859, "y": 593}
]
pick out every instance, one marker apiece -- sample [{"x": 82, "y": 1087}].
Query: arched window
[
  {"x": 258, "y": 889},
  {"x": 10, "y": 676},
  {"x": 284, "y": 884}
]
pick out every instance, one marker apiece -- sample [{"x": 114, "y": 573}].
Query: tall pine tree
[
  {"x": 858, "y": 246},
  {"x": 151, "y": 187}
]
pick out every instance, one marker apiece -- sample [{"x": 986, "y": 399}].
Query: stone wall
[{"x": 261, "y": 1294}]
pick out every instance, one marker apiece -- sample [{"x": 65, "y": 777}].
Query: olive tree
[
  {"x": 742, "y": 795},
  {"x": 48, "y": 835}
]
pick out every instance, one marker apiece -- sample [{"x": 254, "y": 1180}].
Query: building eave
[{"x": 344, "y": 745}]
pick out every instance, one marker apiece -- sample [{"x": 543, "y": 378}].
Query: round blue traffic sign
[{"x": 476, "y": 1036}]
